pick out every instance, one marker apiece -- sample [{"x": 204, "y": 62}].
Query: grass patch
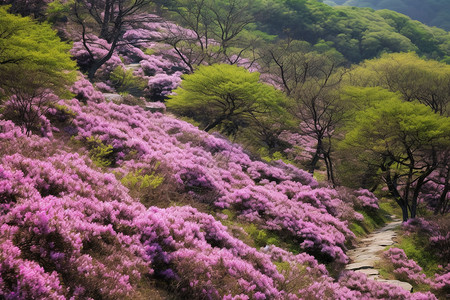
[
  {"x": 390, "y": 207},
  {"x": 257, "y": 237},
  {"x": 372, "y": 220},
  {"x": 357, "y": 229},
  {"x": 415, "y": 247}
]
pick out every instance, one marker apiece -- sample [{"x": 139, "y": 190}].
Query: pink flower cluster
[
  {"x": 99, "y": 48},
  {"x": 84, "y": 91},
  {"x": 408, "y": 270},
  {"x": 405, "y": 269},
  {"x": 370, "y": 289},
  {"x": 367, "y": 199}
]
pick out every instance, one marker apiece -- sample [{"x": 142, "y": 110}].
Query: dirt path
[{"x": 367, "y": 254}]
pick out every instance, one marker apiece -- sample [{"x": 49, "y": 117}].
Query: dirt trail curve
[{"x": 367, "y": 254}]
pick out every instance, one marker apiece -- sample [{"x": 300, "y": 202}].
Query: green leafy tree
[
  {"x": 403, "y": 141},
  {"x": 426, "y": 81},
  {"x": 227, "y": 97},
  {"x": 33, "y": 64},
  {"x": 431, "y": 12}
]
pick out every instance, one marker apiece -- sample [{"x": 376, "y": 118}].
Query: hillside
[
  {"x": 148, "y": 154},
  {"x": 70, "y": 228},
  {"x": 432, "y": 13}
]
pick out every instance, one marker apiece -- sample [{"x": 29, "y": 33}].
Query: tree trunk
[
  {"x": 315, "y": 159},
  {"x": 97, "y": 64},
  {"x": 404, "y": 212},
  {"x": 443, "y": 199},
  {"x": 104, "y": 32},
  {"x": 215, "y": 123}
]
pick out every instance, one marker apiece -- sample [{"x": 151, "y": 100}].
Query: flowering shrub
[
  {"x": 69, "y": 230},
  {"x": 278, "y": 197},
  {"x": 408, "y": 270},
  {"x": 366, "y": 199},
  {"x": 84, "y": 91},
  {"x": 436, "y": 234},
  {"x": 405, "y": 269},
  {"x": 370, "y": 289},
  {"x": 99, "y": 48}
]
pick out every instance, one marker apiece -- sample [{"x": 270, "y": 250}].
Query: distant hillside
[
  {"x": 430, "y": 12},
  {"x": 357, "y": 33}
]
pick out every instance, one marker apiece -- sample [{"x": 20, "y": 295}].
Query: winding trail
[{"x": 364, "y": 257}]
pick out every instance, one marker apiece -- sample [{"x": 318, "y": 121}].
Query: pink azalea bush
[
  {"x": 405, "y": 269},
  {"x": 370, "y": 289},
  {"x": 408, "y": 270},
  {"x": 366, "y": 199},
  {"x": 437, "y": 234},
  {"x": 84, "y": 90}
]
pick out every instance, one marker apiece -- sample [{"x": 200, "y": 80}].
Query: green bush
[
  {"x": 139, "y": 181},
  {"x": 262, "y": 237},
  {"x": 126, "y": 83},
  {"x": 102, "y": 155}
]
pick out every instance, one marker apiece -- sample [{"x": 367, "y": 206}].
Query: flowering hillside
[
  {"x": 70, "y": 228},
  {"x": 105, "y": 195}
]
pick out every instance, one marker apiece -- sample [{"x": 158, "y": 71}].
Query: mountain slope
[{"x": 430, "y": 12}]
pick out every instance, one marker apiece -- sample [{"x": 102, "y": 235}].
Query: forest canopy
[{"x": 430, "y": 12}]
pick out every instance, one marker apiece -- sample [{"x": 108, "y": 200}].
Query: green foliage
[
  {"x": 101, "y": 154},
  {"x": 357, "y": 229},
  {"x": 32, "y": 57},
  {"x": 125, "y": 82},
  {"x": 64, "y": 109},
  {"x": 268, "y": 157},
  {"x": 357, "y": 33},
  {"x": 389, "y": 207},
  {"x": 230, "y": 214},
  {"x": 415, "y": 247},
  {"x": 390, "y": 123},
  {"x": 262, "y": 237},
  {"x": 410, "y": 76},
  {"x": 58, "y": 9},
  {"x": 431, "y": 12},
  {"x": 372, "y": 220},
  {"x": 227, "y": 97},
  {"x": 137, "y": 180}
]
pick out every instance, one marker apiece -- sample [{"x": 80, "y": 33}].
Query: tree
[
  {"x": 426, "y": 81},
  {"x": 108, "y": 19},
  {"x": 35, "y": 8},
  {"x": 215, "y": 26},
  {"x": 34, "y": 63},
  {"x": 404, "y": 140},
  {"x": 226, "y": 97},
  {"x": 311, "y": 80}
]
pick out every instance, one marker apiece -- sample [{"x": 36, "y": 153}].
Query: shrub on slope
[
  {"x": 277, "y": 197},
  {"x": 70, "y": 230}
]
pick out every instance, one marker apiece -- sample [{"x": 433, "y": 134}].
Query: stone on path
[
  {"x": 402, "y": 284},
  {"x": 133, "y": 67},
  {"x": 365, "y": 257},
  {"x": 113, "y": 97},
  {"x": 359, "y": 266},
  {"x": 369, "y": 272}
]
